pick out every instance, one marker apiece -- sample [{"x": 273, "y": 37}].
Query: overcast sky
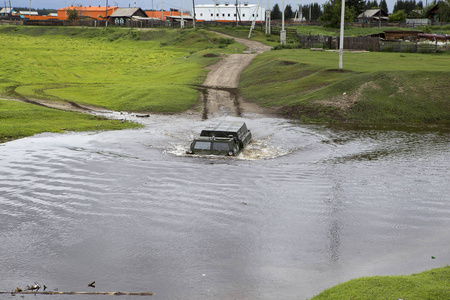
[{"x": 147, "y": 4}]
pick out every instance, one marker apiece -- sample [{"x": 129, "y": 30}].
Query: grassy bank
[
  {"x": 118, "y": 69},
  {"x": 19, "y": 120},
  {"x": 372, "y": 88},
  {"x": 429, "y": 285}
]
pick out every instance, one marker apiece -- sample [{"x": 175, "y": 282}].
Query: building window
[
  {"x": 201, "y": 14},
  {"x": 228, "y": 14},
  {"x": 253, "y": 15},
  {"x": 235, "y": 15},
  {"x": 243, "y": 15},
  {"x": 217, "y": 15},
  {"x": 223, "y": 15},
  {"x": 212, "y": 15}
]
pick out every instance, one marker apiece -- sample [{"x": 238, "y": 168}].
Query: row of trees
[
  {"x": 313, "y": 9},
  {"x": 331, "y": 10}
]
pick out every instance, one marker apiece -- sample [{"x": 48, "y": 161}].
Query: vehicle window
[
  {"x": 220, "y": 146},
  {"x": 202, "y": 146}
]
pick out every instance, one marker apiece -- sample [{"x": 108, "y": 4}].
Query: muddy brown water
[{"x": 302, "y": 209}]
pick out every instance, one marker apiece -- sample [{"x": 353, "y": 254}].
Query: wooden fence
[
  {"x": 413, "y": 47},
  {"x": 317, "y": 41},
  {"x": 330, "y": 42},
  {"x": 361, "y": 43}
]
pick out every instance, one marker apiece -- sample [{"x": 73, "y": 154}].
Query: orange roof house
[
  {"x": 93, "y": 12},
  {"x": 162, "y": 15}
]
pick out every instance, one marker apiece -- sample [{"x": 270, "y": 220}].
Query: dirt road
[{"x": 221, "y": 85}]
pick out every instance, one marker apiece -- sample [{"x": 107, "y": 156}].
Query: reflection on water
[{"x": 303, "y": 208}]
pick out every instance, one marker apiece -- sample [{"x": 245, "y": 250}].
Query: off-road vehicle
[{"x": 228, "y": 138}]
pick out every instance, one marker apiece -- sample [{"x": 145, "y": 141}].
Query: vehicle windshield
[
  {"x": 202, "y": 145},
  {"x": 221, "y": 146}
]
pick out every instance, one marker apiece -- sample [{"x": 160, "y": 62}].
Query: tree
[
  {"x": 383, "y": 6},
  {"x": 398, "y": 16},
  {"x": 358, "y": 6},
  {"x": 332, "y": 13},
  {"x": 407, "y": 5},
  {"x": 316, "y": 11},
  {"x": 444, "y": 11},
  {"x": 275, "y": 14},
  {"x": 72, "y": 14},
  {"x": 288, "y": 13},
  {"x": 371, "y": 5}
]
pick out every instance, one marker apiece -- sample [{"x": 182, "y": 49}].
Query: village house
[
  {"x": 373, "y": 15},
  {"x": 8, "y": 11},
  {"x": 122, "y": 15},
  {"x": 434, "y": 14}
]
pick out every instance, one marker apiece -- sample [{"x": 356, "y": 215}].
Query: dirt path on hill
[{"x": 220, "y": 94}]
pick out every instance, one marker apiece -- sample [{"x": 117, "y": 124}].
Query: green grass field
[
  {"x": 373, "y": 87},
  {"x": 19, "y": 120},
  {"x": 429, "y": 285},
  {"x": 118, "y": 69}
]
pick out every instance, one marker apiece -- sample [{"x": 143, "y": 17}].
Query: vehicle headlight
[{"x": 231, "y": 153}]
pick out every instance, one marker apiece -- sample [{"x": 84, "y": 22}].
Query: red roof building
[{"x": 92, "y": 12}]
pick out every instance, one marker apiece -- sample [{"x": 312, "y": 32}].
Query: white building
[
  {"x": 28, "y": 13},
  {"x": 227, "y": 12}
]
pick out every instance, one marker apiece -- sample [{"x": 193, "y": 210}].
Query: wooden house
[
  {"x": 121, "y": 15},
  {"x": 434, "y": 13},
  {"x": 8, "y": 11},
  {"x": 373, "y": 15}
]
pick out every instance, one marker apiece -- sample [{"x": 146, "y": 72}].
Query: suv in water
[{"x": 221, "y": 139}]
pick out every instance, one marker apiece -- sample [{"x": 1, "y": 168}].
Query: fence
[
  {"x": 316, "y": 41},
  {"x": 361, "y": 43},
  {"x": 394, "y": 46}
]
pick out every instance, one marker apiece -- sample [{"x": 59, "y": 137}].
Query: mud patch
[
  {"x": 346, "y": 101},
  {"x": 210, "y": 55}
]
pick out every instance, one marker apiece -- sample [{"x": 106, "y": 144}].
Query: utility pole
[
  {"x": 29, "y": 12},
  {"x": 106, "y": 14},
  {"x": 341, "y": 38},
  {"x": 193, "y": 6},
  {"x": 379, "y": 17},
  {"x": 254, "y": 19},
  {"x": 237, "y": 13},
  {"x": 182, "y": 20},
  {"x": 283, "y": 32},
  {"x": 268, "y": 18}
]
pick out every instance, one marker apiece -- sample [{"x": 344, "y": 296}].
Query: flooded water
[{"x": 302, "y": 209}]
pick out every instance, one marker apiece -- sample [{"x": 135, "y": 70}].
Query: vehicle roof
[
  {"x": 225, "y": 126},
  {"x": 211, "y": 139}
]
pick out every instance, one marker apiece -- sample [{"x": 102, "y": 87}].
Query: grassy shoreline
[
  {"x": 18, "y": 120},
  {"x": 429, "y": 285}
]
